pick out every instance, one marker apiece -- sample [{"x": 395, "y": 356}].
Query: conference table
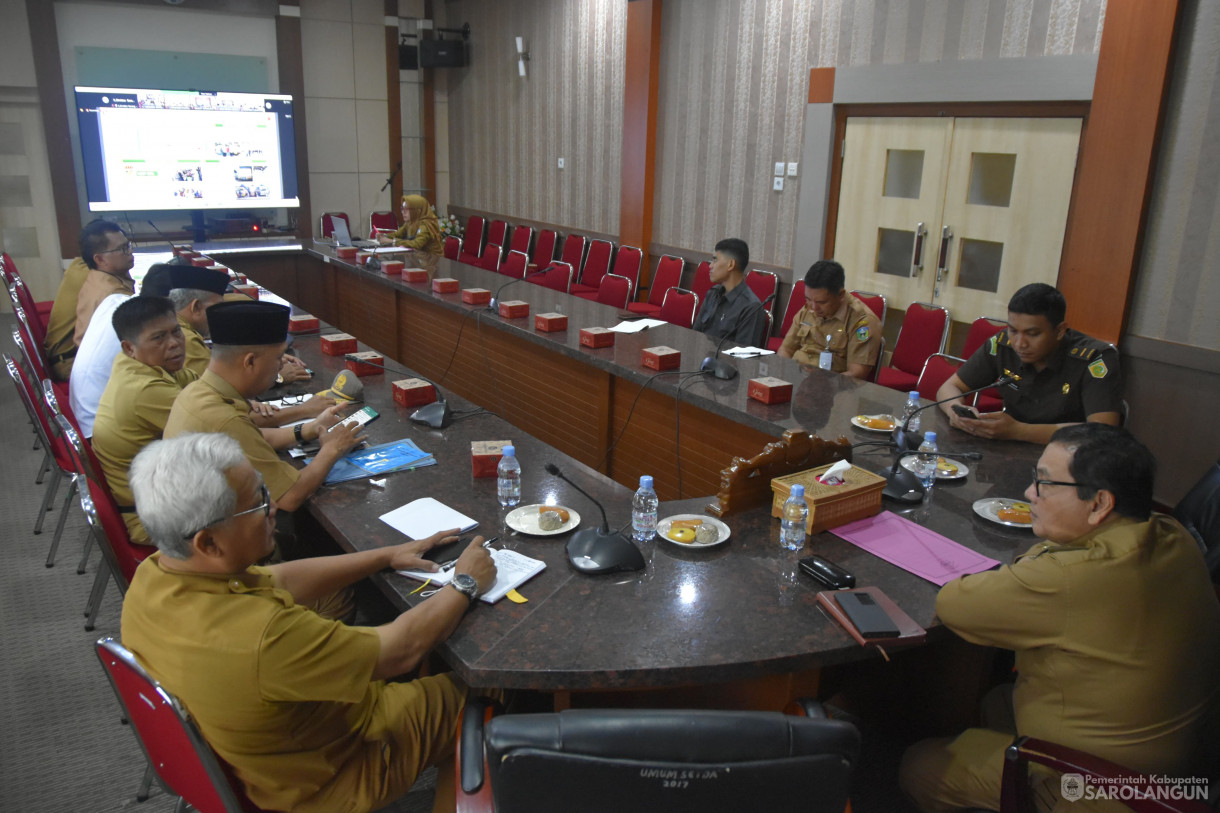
[{"x": 737, "y": 619}]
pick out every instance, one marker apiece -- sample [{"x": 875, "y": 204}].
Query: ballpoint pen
[{"x": 453, "y": 562}]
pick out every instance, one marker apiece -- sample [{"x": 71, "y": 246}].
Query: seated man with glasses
[
  {"x": 1114, "y": 624},
  {"x": 108, "y": 253},
  {"x": 296, "y": 704}
]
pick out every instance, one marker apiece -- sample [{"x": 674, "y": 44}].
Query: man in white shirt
[{"x": 94, "y": 359}]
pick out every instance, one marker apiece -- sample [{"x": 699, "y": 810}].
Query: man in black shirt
[
  {"x": 731, "y": 309},
  {"x": 1061, "y": 376}
]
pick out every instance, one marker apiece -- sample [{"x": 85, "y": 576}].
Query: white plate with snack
[
  {"x": 946, "y": 467},
  {"x": 527, "y": 519},
  {"x": 1013, "y": 513},
  {"x": 874, "y": 423},
  {"x": 683, "y": 530}
]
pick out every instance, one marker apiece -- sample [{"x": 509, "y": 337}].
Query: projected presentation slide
[{"x": 149, "y": 149}]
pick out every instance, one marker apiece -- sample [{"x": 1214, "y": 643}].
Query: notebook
[
  {"x": 426, "y": 516},
  {"x": 512, "y": 570}
]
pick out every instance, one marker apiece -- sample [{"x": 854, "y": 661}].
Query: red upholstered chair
[
  {"x": 557, "y": 278},
  {"x": 936, "y": 371},
  {"x": 514, "y": 264},
  {"x": 520, "y": 241},
  {"x": 381, "y": 221},
  {"x": 453, "y": 247},
  {"x": 40, "y": 311},
  {"x": 490, "y": 260},
  {"x": 627, "y": 261},
  {"x": 703, "y": 279},
  {"x": 614, "y": 291},
  {"x": 497, "y": 232},
  {"x": 795, "y": 302},
  {"x": 875, "y": 301},
  {"x": 573, "y": 252},
  {"x": 472, "y": 240},
  {"x": 924, "y": 330},
  {"x": 326, "y": 223},
  {"x": 679, "y": 307},
  {"x": 668, "y": 275},
  {"x": 597, "y": 265},
  {"x": 764, "y": 284},
  {"x": 9, "y": 272},
  {"x": 981, "y": 330},
  {"x": 181, "y": 760},
  {"x": 544, "y": 248}
]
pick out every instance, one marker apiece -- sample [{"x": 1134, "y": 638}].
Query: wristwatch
[{"x": 465, "y": 584}]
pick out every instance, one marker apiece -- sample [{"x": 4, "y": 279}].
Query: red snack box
[
  {"x": 338, "y": 344},
  {"x": 302, "y": 323},
  {"x": 183, "y": 251},
  {"x": 240, "y": 279},
  {"x": 770, "y": 390},
  {"x": 392, "y": 268},
  {"x": 446, "y": 285},
  {"x": 485, "y": 456},
  {"x": 411, "y": 392},
  {"x": 550, "y": 322},
  {"x": 514, "y": 309},
  {"x": 366, "y": 363},
  {"x": 596, "y": 337},
  {"x": 224, "y": 269},
  {"x": 200, "y": 261},
  {"x": 363, "y": 257},
  {"x": 660, "y": 358},
  {"x": 415, "y": 275},
  {"x": 346, "y": 252},
  {"x": 476, "y": 296},
  {"x": 249, "y": 290}
]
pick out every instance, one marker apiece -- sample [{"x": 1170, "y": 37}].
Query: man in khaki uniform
[
  {"x": 59, "y": 345},
  {"x": 296, "y": 704},
  {"x": 830, "y": 311},
  {"x": 1116, "y": 631},
  {"x": 248, "y": 339},
  {"x": 192, "y": 290},
  {"x": 108, "y": 253}
]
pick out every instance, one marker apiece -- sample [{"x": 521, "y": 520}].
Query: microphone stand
[
  {"x": 175, "y": 260},
  {"x": 494, "y": 302},
  {"x": 437, "y": 414},
  {"x": 902, "y": 485},
  {"x": 584, "y": 541},
  {"x": 390, "y": 179},
  {"x": 714, "y": 364}
]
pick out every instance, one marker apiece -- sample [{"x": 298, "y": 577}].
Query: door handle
[
  {"x": 917, "y": 253},
  {"x": 942, "y": 259}
]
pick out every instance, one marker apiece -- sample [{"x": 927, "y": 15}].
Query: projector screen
[{"x": 180, "y": 149}]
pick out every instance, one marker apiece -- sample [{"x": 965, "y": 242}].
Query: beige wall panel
[
  {"x": 372, "y": 136},
  {"x": 372, "y": 198},
  {"x": 328, "y": 62},
  {"x": 339, "y": 10},
  {"x": 369, "y": 45},
  {"x": 368, "y": 11},
  {"x": 332, "y": 134},
  {"x": 336, "y": 192}
]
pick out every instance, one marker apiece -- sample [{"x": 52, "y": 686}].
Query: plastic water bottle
[
  {"x": 792, "y": 523},
  {"x": 925, "y": 462},
  {"x": 910, "y": 413},
  {"x": 826, "y": 359},
  {"x": 508, "y": 478},
  {"x": 644, "y": 511}
]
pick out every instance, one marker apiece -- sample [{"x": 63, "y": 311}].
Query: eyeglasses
[
  {"x": 127, "y": 248},
  {"x": 264, "y": 506},
  {"x": 1038, "y": 483}
]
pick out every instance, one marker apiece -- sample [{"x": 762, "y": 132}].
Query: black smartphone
[
  {"x": 827, "y": 572},
  {"x": 964, "y": 411},
  {"x": 444, "y": 553},
  {"x": 868, "y": 617}
]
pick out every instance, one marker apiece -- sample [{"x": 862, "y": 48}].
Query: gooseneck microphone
[
  {"x": 599, "y": 550},
  {"x": 902, "y": 485},
  {"x": 437, "y": 414},
  {"x": 717, "y": 366},
  {"x": 174, "y": 260},
  {"x": 494, "y": 302}
]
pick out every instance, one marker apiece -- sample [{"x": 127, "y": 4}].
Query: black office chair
[
  {"x": 1199, "y": 511},
  {"x": 612, "y": 760}
]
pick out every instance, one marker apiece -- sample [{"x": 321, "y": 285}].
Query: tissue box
[
  {"x": 411, "y": 392},
  {"x": 485, "y": 456},
  {"x": 831, "y": 506},
  {"x": 302, "y": 323},
  {"x": 366, "y": 363},
  {"x": 392, "y": 268},
  {"x": 550, "y": 322},
  {"x": 514, "y": 309},
  {"x": 476, "y": 296},
  {"x": 445, "y": 285},
  {"x": 346, "y": 252},
  {"x": 249, "y": 290},
  {"x": 338, "y": 344},
  {"x": 415, "y": 275},
  {"x": 596, "y": 337},
  {"x": 770, "y": 390},
  {"x": 660, "y": 358}
]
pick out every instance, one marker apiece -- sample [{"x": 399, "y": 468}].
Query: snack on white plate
[
  {"x": 549, "y": 521},
  {"x": 707, "y": 533}
]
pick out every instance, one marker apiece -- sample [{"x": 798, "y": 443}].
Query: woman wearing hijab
[{"x": 420, "y": 230}]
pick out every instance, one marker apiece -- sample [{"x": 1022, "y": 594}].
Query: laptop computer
[{"x": 344, "y": 238}]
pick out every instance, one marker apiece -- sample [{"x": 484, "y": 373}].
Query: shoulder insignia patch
[
  {"x": 1098, "y": 369},
  {"x": 1067, "y": 388},
  {"x": 862, "y": 333},
  {"x": 993, "y": 343}
]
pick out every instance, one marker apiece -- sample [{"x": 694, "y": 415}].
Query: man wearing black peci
[{"x": 731, "y": 309}]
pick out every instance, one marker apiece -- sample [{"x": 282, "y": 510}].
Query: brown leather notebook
[{"x": 909, "y": 633}]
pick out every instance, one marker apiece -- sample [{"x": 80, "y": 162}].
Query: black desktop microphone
[
  {"x": 494, "y": 302},
  {"x": 174, "y": 260},
  {"x": 714, "y": 364},
  {"x": 599, "y": 550},
  {"x": 437, "y": 414},
  {"x": 902, "y": 485}
]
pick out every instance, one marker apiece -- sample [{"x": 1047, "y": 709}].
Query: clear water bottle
[
  {"x": 826, "y": 359},
  {"x": 792, "y": 523},
  {"x": 910, "y": 413},
  {"x": 508, "y": 478},
  {"x": 925, "y": 463},
  {"x": 644, "y": 511}
]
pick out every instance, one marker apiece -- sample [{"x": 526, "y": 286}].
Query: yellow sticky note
[{"x": 515, "y": 597}]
